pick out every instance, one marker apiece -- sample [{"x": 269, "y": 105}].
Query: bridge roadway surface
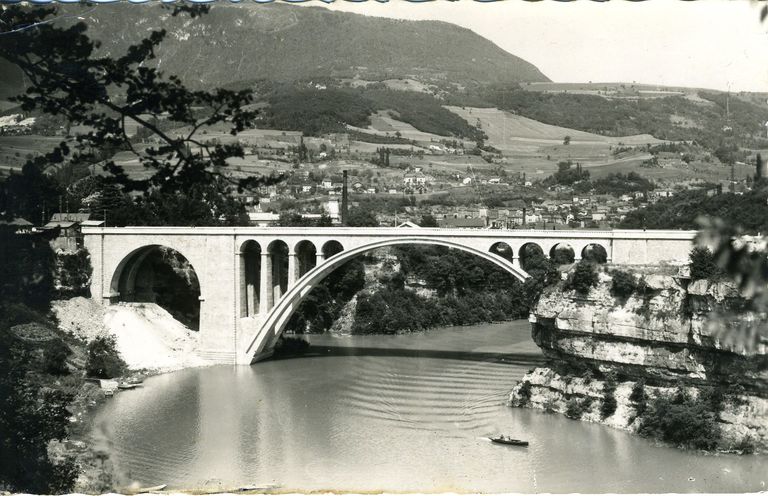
[{"x": 252, "y": 279}]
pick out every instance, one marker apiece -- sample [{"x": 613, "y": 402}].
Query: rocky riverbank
[
  {"x": 148, "y": 339},
  {"x": 626, "y": 360}
]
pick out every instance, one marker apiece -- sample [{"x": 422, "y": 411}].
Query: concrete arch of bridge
[
  {"x": 123, "y": 283},
  {"x": 257, "y": 346}
]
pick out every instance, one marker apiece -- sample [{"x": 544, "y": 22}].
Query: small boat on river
[
  {"x": 128, "y": 385},
  {"x": 508, "y": 440}
]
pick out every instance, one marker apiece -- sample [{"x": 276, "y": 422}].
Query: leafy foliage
[
  {"x": 567, "y": 175},
  {"x": 618, "y": 184},
  {"x": 329, "y": 110},
  {"x": 29, "y": 279},
  {"x": 684, "y": 210},
  {"x": 324, "y": 303},
  {"x": 73, "y": 273},
  {"x": 703, "y": 264},
  {"x": 638, "y": 397},
  {"x": 103, "y": 358},
  {"x": 524, "y": 393},
  {"x": 424, "y": 112},
  {"x": 583, "y": 277},
  {"x": 623, "y": 284},
  {"x": 55, "y": 357},
  {"x": 31, "y": 415},
  {"x": 315, "y": 111},
  {"x": 575, "y": 407},
  {"x": 360, "y": 217},
  {"x": 683, "y": 421},
  {"x": 72, "y": 80},
  {"x": 609, "y": 404},
  {"x": 469, "y": 291}
]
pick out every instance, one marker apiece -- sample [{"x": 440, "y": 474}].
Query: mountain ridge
[{"x": 282, "y": 42}]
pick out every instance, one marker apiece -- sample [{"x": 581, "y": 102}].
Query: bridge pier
[
  {"x": 293, "y": 268},
  {"x": 265, "y": 283}
]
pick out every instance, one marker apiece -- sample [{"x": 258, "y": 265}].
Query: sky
[{"x": 717, "y": 44}]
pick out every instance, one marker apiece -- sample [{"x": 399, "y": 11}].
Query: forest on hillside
[
  {"x": 748, "y": 211},
  {"x": 315, "y": 111}
]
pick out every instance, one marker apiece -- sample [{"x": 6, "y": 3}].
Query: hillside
[{"x": 280, "y": 42}]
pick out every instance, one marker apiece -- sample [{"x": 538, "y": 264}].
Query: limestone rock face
[
  {"x": 662, "y": 331},
  {"x": 742, "y": 418}
]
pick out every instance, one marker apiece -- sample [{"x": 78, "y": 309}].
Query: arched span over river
[{"x": 236, "y": 326}]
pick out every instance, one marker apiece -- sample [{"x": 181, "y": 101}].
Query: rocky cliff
[{"x": 660, "y": 341}]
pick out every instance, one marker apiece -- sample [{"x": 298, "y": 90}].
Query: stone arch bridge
[{"x": 252, "y": 279}]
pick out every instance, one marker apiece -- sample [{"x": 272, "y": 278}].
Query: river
[{"x": 389, "y": 413}]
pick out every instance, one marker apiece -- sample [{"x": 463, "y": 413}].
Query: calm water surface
[{"x": 392, "y": 413}]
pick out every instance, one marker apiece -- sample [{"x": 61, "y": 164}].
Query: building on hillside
[
  {"x": 18, "y": 225},
  {"x": 64, "y": 231},
  {"x": 461, "y": 223},
  {"x": 263, "y": 219},
  {"x": 414, "y": 178}
]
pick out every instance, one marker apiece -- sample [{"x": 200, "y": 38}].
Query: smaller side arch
[
  {"x": 503, "y": 250},
  {"x": 250, "y": 278},
  {"x": 595, "y": 252},
  {"x": 306, "y": 257},
  {"x": 562, "y": 253},
  {"x": 331, "y": 248},
  {"x": 527, "y": 252}
]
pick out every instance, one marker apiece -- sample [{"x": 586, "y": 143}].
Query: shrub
[
  {"x": 608, "y": 406},
  {"x": 638, "y": 397},
  {"x": 524, "y": 393},
  {"x": 582, "y": 278},
  {"x": 576, "y": 407},
  {"x": 623, "y": 284},
  {"x": 55, "y": 358},
  {"x": 103, "y": 358},
  {"x": 703, "y": 265},
  {"x": 682, "y": 421}
]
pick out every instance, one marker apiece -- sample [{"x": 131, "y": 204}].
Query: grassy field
[
  {"x": 16, "y": 150},
  {"x": 383, "y": 124}
]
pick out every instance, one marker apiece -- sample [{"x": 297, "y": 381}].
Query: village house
[{"x": 413, "y": 178}]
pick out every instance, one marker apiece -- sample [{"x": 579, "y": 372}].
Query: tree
[
  {"x": 359, "y": 217},
  {"x": 703, "y": 264},
  {"x": 582, "y": 278},
  {"x": 71, "y": 80},
  {"x": 428, "y": 220},
  {"x": 103, "y": 358},
  {"x": 567, "y": 140},
  {"x": 30, "y": 417}
]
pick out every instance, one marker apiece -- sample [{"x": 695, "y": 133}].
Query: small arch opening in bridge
[
  {"x": 331, "y": 248},
  {"x": 562, "y": 253},
  {"x": 594, "y": 252},
  {"x": 277, "y": 271},
  {"x": 161, "y": 275},
  {"x": 503, "y": 250},
  {"x": 250, "y": 277},
  {"x": 306, "y": 257},
  {"x": 529, "y": 253}
]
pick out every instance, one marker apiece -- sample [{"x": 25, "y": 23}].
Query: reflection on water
[{"x": 393, "y": 413}]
